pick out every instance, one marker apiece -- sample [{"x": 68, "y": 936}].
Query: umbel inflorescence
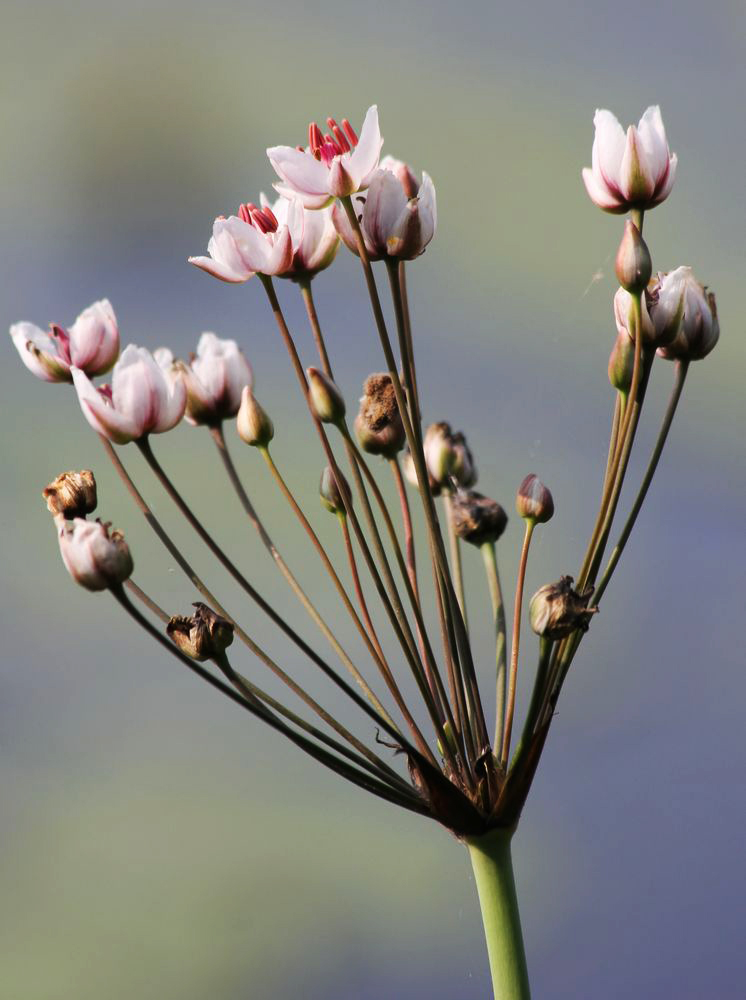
[{"x": 464, "y": 765}]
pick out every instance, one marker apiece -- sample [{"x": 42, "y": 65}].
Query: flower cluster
[{"x": 337, "y": 190}]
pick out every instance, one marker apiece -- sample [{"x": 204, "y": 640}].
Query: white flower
[
  {"x": 319, "y": 244},
  {"x": 252, "y": 242},
  {"x": 632, "y": 171},
  {"x": 334, "y": 165},
  {"x": 144, "y": 398},
  {"x": 91, "y": 343},
  {"x": 699, "y": 330},
  {"x": 394, "y": 221},
  {"x": 215, "y": 378}
]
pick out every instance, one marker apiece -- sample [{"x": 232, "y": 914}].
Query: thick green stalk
[{"x": 493, "y": 872}]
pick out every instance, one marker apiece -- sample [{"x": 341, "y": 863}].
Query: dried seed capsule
[
  {"x": 556, "y": 609},
  {"x": 203, "y": 636},
  {"x": 71, "y": 494},
  {"x": 476, "y": 518},
  {"x": 378, "y": 425}
]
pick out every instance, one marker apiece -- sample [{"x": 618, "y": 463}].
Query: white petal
[
  {"x": 665, "y": 188},
  {"x": 218, "y": 270},
  {"x": 653, "y": 137},
  {"x": 342, "y": 225},
  {"x": 300, "y": 170},
  {"x": 384, "y": 204},
  {"x": 280, "y": 257},
  {"x": 309, "y": 201},
  {"x": 608, "y": 145},
  {"x": 102, "y": 417},
  {"x": 600, "y": 195},
  {"x": 365, "y": 156},
  {"x": 38, "y": 352},
  {"x": 94, "y": 339}
]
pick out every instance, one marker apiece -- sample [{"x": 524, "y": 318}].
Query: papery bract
[
  {"x": 334, "y": 165},
  {"x": 252, "y": 242},
  {"x": 94, "y": 557},
  {"x": 214, "y": 378},
  {"x": 394, "y": 221},
  {"x": 632, "y": 171},
  {"x": 91, "y": 343},
  {"x": 145, "y": 397}
]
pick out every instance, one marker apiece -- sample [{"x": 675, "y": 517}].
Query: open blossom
[
  {"x": 144, "y": 397},
  {"x": 91, "y": 343},
  {"x": 252, "y": 242},
  {"x": 632, "y": 171},
  {"x": 699, "y": 330},
  {"x": 214, "y": 378},
  {"x": 95, "y": 557},
  {"x": 318, "y": 245},
  {"x": 397, "y": 214},
  {"x": 334, "y": 165}
]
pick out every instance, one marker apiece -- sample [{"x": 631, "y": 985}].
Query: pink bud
[{"x": 95, "y": 558}]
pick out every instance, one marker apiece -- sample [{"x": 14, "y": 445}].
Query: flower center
[
  {"x": 263, "y": 219},
  {"x": 338, "y": 140}
]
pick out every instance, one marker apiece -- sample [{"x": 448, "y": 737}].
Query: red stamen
[
  {"x": 315, "y": 139},
  {"x": 350, "y": 133},
  {"x": 258, "y": 221},
  {"x": 339, "y": 136},
  {"x": 271, "y": 216},
  {"x": 244, "y": 213}
]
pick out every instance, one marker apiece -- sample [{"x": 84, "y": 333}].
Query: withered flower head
[
  {"x": 534, "y": 501},
  {"x": 448, "y": 456},
  {"x": 203, "y": 636},
  {"x": 329, "y": 492},
  {"x": 378, "y": 425},
  {"x": 556, "y": 609},
  {"x": 71, "y": 494},
  {"x": 476, "y": 518}
]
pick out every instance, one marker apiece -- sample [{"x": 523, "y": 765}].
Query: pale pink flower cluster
[{"x": 91, "y": 344}]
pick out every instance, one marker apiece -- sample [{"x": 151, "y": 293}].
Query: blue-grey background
[{"x": 155, "y": 842}]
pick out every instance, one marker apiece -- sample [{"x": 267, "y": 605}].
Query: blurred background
[{"x": 155, "y": 841}]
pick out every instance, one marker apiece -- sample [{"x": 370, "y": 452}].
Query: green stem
[
  {"x": 493, "y": 872},
  {"x": 454, "y": 545},
  {"x": 498, "y": 610}
]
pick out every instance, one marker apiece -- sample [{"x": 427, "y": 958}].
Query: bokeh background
[{"x": 155, "y": 841}]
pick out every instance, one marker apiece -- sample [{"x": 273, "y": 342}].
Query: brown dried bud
[
  {"x": 622, "y": 362},
  {"x": 633, "y": 264},
  {"x": 72, "y": 494},
  {"x": 556, "y": 609},
  {"x": 378, "y": 425},
  {"x": 326, "y": 399},
  {"x": 329, "y": 492},
  {"x": 252, "y": 423},
  {"x": 476, "y": 518},
  {"x": 203, "y": 636},
  {"x": 534, "y": 501}
]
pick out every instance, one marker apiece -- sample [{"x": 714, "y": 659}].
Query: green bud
[
  {"x": 252, "y": 423},
  {"x": 329, "y": 492},
  {"x": 633, "y": 264},
  {"x": 326, "y": 399}
]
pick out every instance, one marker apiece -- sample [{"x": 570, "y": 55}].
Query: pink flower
[
  {"x": 636, "y": 171},
  {"x": 252, "y": 242},
  {"x": 144, "y": 398},
  {"x": 662, "y": 307},
  {"x": 94, "y": 557},
  {"x": 334, "y": 165},
  {"x": 91, "y": 343},
  {"x": 699, "y": 330},
  {"x": 397, "y": 215},
  {"x": 319, "y": 243},
  {"x": 214, "y": 378}
]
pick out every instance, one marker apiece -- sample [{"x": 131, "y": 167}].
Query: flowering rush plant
[{"x": 454, "y": 752}]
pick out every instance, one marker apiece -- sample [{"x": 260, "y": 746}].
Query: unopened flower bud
[
  {"x": 252, "y": 423},
  {"x": 72, "y": 494},
  {"x": 448, "y": 456},
  {"x": 622, "y": 362},
  {"x": 633, "y": 264},
  {"x": 378, "y": 425},
  {"x": 329, "y": 491},
  {"x": 699, "y": 330},
  {"x": 534, "y": 501},
  {"x": 203, "y": 636},
  {"x": 94, "y": 556},
  {"x": 326, "y": 399},
  {"x": 556, "y": 609},
  {"x": 476, "y": 518}
]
